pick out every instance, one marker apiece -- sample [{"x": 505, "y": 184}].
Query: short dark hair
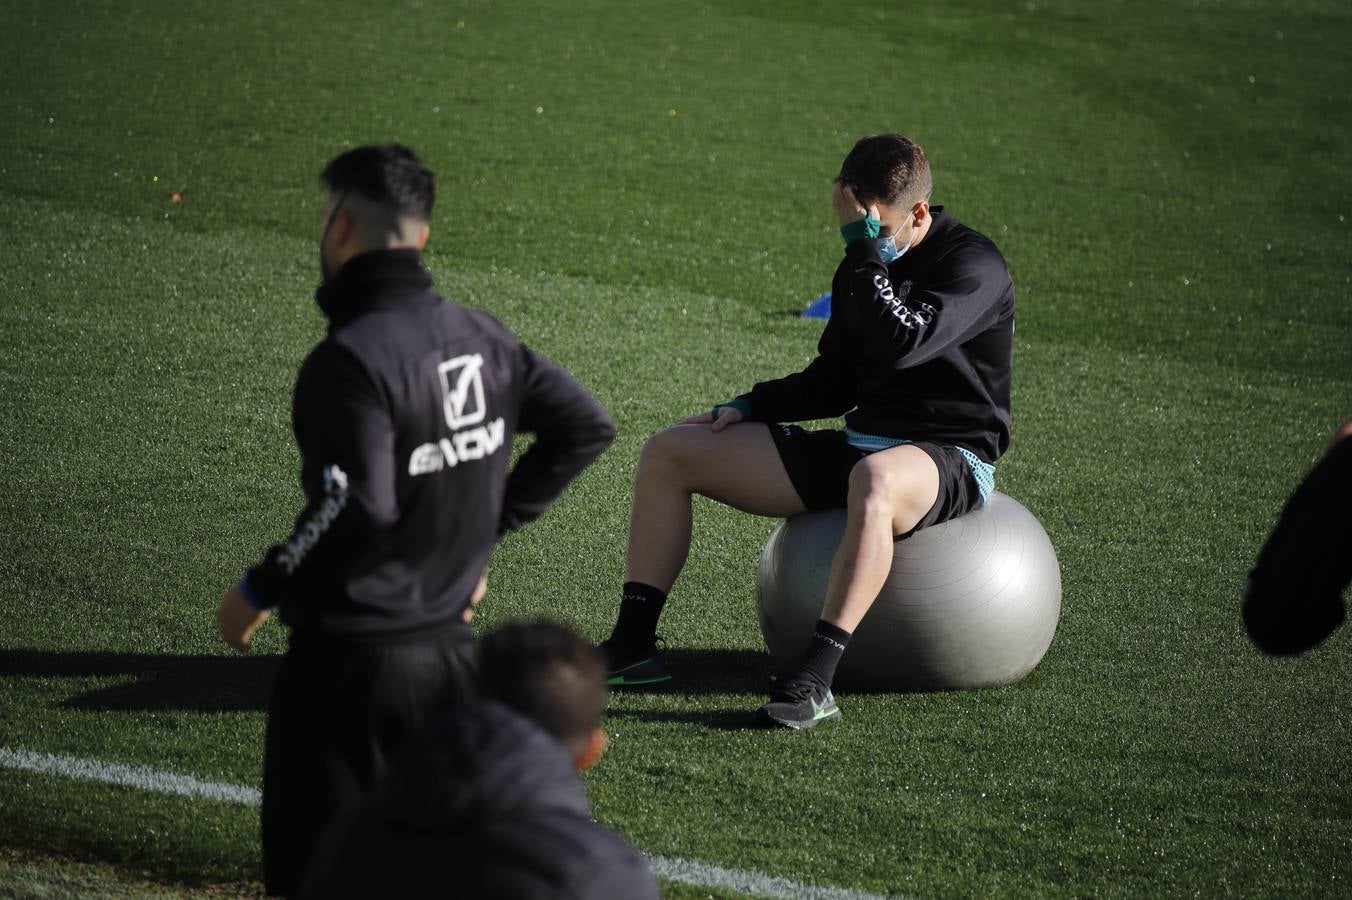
[
  {"x": 890, "y": 168},
  {"x": 389, "y": 176},
  {"x": 548, "y": 673}
]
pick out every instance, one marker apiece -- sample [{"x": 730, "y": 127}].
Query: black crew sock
[
  {"x": 640, "y": 607},
  {"x": 823, "y": 653}
]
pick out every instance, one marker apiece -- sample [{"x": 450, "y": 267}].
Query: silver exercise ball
[{"x": 972, "y": 602}]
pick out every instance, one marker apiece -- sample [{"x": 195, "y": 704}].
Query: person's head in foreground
[
  {"x": 553, "y": 677},
  {"x": 489, "y": 796},
  {"x": 890, "y": 172},
  {"x": 380, "y": 197}
]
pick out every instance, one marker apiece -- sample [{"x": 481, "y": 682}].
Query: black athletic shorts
[{"x": 819, "y": 464}]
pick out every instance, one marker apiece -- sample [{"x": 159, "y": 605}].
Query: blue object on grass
[{"x": 820, "y": 308}]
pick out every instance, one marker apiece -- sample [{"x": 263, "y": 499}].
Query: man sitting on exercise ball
[{"x": 916, "y": 357}]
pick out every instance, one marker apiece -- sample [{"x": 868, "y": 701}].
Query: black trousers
[{"x": 338, "y": 712}]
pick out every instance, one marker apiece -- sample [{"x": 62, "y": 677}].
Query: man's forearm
[{"x": 544, "y": 472}]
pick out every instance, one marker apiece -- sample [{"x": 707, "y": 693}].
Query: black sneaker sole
[
  {"x": 765, "y": 720},
  {"x": 768, "y": 720},
  {"x": 649, "y": 674}
]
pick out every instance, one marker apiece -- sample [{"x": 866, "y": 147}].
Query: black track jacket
[
  {"x": 404, "y": 416},
  {"x": 921, "y": 349}
]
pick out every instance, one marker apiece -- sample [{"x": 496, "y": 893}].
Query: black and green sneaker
[
  {"x": 798, "y": 703},
  {"x": 644, "y": 668}
]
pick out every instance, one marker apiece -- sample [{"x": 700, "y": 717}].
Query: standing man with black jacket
[
  {"x": 404, "y": 416},
  {"x": 916, "y": 356}
]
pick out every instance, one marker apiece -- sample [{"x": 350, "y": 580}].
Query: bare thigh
[
  {"x": 900, "y": 484},
  {"x": 739, "y": 466}
]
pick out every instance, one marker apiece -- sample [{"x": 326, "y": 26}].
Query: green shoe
[
  {"x": 644, "y": 668},
  {"x": 798, "y": 704}
]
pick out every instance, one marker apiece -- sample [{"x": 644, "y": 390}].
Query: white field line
[
  {"x": 147, "y": 779},
  {"x": 704, "y": 875}
]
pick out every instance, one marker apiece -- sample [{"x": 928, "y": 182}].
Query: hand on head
[{"x": 848, "y": 207}]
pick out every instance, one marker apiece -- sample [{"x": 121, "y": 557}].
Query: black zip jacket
[
  {"x": 404, "y": 416},
  {"x": 921, "y": 349},
  {"x": 483, "y": 803}
]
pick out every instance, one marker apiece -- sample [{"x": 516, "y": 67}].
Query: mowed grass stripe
[{"x": 144, "y": 778}]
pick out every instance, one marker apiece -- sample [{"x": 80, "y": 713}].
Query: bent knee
[
  {"x": 880, "y": 490},
  {"x": 657, "y": 449},
  {"x": 670, "y": 451},
  {"x": 873, "y": 487}
]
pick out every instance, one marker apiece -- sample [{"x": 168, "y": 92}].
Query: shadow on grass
[
  {"x": 720, "y": 671},
  {"x": 206, "y": 683},
  {"x": 743, "y": 673},
  {"x": 717, "y": 719},
  {"x": 159, "y": 681}
]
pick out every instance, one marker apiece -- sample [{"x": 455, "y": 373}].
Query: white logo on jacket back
[
  {"x": 463, "y": 403},
  {"x": 462, "y": 390}
]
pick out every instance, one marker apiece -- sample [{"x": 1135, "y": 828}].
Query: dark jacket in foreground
[
  {"x": 920, "y": 349},
  {"x": 483, "y": 804},
  {"x": 1294, "y": 597},
  {"x": 404, "y": 416}
]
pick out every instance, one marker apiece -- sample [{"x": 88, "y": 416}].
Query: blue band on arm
[
  {"x": 250, "y": 595},
  {"x": 868, "y": 227}
]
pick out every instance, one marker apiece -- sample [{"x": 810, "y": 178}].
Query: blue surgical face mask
[{"x": 887, "y": 249}]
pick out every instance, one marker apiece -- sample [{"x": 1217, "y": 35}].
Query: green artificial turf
[
  {"x": 31, "y": 875},
  {"x": 641, "y": 191}
]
